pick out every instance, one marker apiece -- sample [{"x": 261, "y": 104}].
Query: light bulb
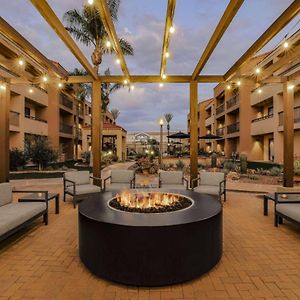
[
  {"x": 21, "y": 62},
  {"x": 257, "y": 70},
  {"x": 228, "y": 87},
  {"x": 30, "y": 91},
  {"x": 259, "y": 91},
  {"x": 286, "y": 45},
  {"x": 161, "y": 85},
  {"x": 90, "y": 2},
  {"x": 118, "y": 61},
  {"x": 164, "y": 76},
  {"x": 125, "y": 81},
  {"x": 167, "y": 54},
  {"x": 60, "y": 85},
  {"x": 45, "y": 78},
  {"x": 108, "y": 44},
  {"x": 172, "y": 29},
  {"x": 238, "y": 83},
  {"x": 291, "y": 87},
  {"x": 132, "y": 87},
  {"x": 3, "y": 87}
]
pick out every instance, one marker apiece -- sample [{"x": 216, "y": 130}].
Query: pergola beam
[
  {"x": 277, "y": 25},
  {"x": 147, "y": 79},
  {"x": 230, "y": 12},
  {"x": 103, "y": 10},
  {"x": 166, "y": 41},
  {"x": 48, "y": 14}
]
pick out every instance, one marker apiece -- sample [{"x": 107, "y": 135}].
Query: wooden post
[
  {"x": 161, "y": 145},
  {"x": 96, "y": 130},
  {"x": 288, "y": 135},
  {"x": 4, "y": 132},
  {"x": 193, "y": 129}
]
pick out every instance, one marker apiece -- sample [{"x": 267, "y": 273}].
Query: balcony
[
  {"x": 65, "y": 128},
  {"x": 296, "y": 119},
  {"x": 66, "y": 102},
  {"x": 220, "y": 109},
  {"x": 220, "y": 131},
  {"x": 78, "y": 133},
  {"x": 263, "y": 125},
  {"x": 233, "y": 101},
  {"x": 36, "y": 118},
  {"x": 14, "y": 118},
  {"x": 233, "y": 128},
  {"x": 80, "y": 111},
  {"x": 35, "y": 125}
]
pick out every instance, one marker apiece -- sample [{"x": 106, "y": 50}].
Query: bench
[{"x": 17, "y": 215}]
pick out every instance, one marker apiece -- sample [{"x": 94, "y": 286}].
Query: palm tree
[
  {"x": 87, "y": 27},
  {"x": 115, "y": 114},
  {"x": 168, "y": 118}
]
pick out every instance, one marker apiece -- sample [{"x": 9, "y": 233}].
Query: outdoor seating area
[{"x": 150, "y": 150}]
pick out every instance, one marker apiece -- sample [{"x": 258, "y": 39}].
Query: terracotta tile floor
[{"x": 259, "y": 260}]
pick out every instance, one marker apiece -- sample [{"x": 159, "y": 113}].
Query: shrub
[
  {"x": 16, "y": 159},
  {"x": 297, "y": 167},
  {"x": 229, "y": 165},
  {"x": 253, "y": 177},
  {"x": 275, "y": 171},
  {"x": 180, "y": 165}
]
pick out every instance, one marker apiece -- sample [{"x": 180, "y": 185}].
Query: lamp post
[{"x": 161, "y": 123}]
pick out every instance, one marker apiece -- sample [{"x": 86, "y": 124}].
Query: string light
[
  {"x": 257, "y": 70},
  {"x": 172, "y": 29},
  {"x": 90, "y": 2},
  {"x": 228, "y": 87},
  {"x": 285, "y": 45},
  {"x": 161, "y": 85},
  {"x": 238, "y": 83},
  {"x": 132, "y": 87},
  {"x": 125, "y": 81},
  {"x": 167, "y": 54},
  {"x": 60, "y": 85},
  {"x": 45, "y": 78},
  {"x": 30, "y": 91},
  {"x": 118, "y": 61},
  {"x": 2, "y": 86},
  {"x": 163, "y": 76},
  {"x": 259, "y": 91},
  {"x": 291, "y": 87},
  {"x": 108, "y": 44}
]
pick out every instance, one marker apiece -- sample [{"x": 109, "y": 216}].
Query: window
[
  {"x": 270, "y": 110},
  {"x": 27, "y": 112}
]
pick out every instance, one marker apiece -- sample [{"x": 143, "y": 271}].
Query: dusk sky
[{"x": 141, "y": 22}]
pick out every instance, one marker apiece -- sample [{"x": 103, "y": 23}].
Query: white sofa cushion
[
  {"x": 14, "y": 214},
  {"x": 84, "y": 189},
  {"x": 211, "y": 178},
  {"x": 5, "y": 193},
  {"x": 79, "y": 177},
  {"x": 117, "y": 186},
  {"x": 121, "y": 176},
  {"x": 171, "y": 177},
  {"x": 173, "y": 186},
  {"x": 291, "y": 210},
  {"x": 207, "y": 189}
]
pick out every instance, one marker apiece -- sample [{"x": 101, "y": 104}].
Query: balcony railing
[
  {"x": 296, "y": 116},
  {"x": 220, "y": 131},
  {"x": 66, "y": 102},
  {"x": 220, "y": 109},
  {"x": 263, "y": 118},
  {"x": 35, "y": 118},
  {"x": 232, "y": 101},
  {"x": 65, "y": 128},
  {"x": 232, "y": 128},
  {"x": 80, "y": 111},
  {"x": 14, "y": 118},
  {"x": 78, "y": 133}
]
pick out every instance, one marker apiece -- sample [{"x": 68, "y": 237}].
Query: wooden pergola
[{"x": 101, "y": 5}]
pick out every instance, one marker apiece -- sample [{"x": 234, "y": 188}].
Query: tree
[
  {"x": 87, "y": 27},
  {"x": 168, "y": 118},
  {"x": 115, "y": 114},
  {"x": 41, "y": 152}
]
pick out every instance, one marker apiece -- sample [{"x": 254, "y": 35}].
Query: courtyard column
[
  {"x": 96, "y": 130},
  {"x": 4, "y": 132},
  {"x": 288, "y": 134},
  {"x": 193, "y": 129}
]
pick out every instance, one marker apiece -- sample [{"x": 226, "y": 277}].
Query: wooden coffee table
[{"x": 40, "y": 197}]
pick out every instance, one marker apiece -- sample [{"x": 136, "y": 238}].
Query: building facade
[{"x": 248, "y": 113}]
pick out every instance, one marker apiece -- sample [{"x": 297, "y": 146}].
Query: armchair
[
  {"x": 213, "y": 183},
  {"x": 77, "y": 183},
  {"x": 120, "y": 179},
  {"x": 172, "y": 180}
]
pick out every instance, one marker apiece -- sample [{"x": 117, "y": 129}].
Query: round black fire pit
[{"x": 150, "y": 249}]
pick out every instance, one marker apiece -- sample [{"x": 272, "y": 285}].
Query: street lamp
[{"x": 161, "y": 123}]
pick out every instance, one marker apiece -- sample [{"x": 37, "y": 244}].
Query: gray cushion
[
  {"x": 207, "y": 189},
  {"x": 121, "y": 176},
  {"x": 117, "y": 186},
  {"x": 173, "y": 186},
  {"x": 14, "y": 214},
  {"x": 79, "y": 177},
  {"x": 290, "y": 210},
  {"x": 84, "y": 189},
  {"x": 5, "y": 193},
  {"x": 171, "y": 177},
  {"x": 211, "y": 178}
]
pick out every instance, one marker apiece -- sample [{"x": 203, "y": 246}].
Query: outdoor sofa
[
  {"x": 77, "y": 183},
  {"x": 212, "y": 183},
  {"x": 120, "y": 179},
  {"x": 17, "y": 215},
  {"x": 287, "y": 206},
  {"x": 172, "y": 180}
]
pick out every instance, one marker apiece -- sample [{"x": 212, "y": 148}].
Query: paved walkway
[{"x": 259, "y": 260}]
